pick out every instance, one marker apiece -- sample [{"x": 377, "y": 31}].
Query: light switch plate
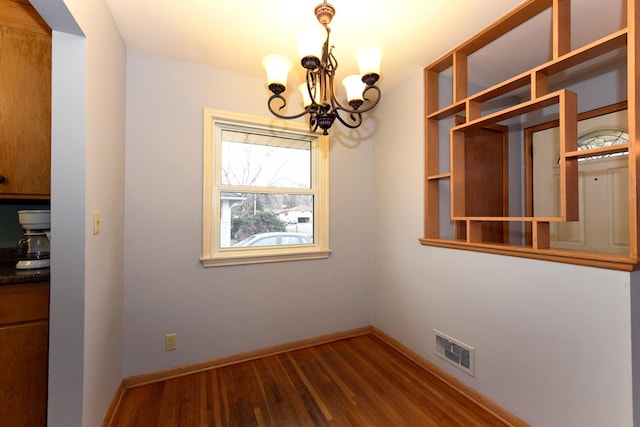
[{"x": 96, "y": 222}]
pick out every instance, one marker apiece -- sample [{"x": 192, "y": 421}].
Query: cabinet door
[
  {"x": 25, "y": 112},
  {"x": 23, "y": 369}
]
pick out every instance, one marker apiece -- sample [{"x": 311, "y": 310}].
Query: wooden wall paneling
[
  {"x": 541, "y": 235},
  {"x": 432, "y": 88},
  {"x": 474, "y": 110},
  {"x": 539, "y": 84},
  {"x": 561, "y": 27},
  {"x": 633, "y": 91},
  {"x": 458, "y": 180},
  {"x": 432, "y": 190},
  {"x": 568, "y": 166},
  {"x": 432, "y": 217},
  {"x": 460, "y": 76},
  {"x": 431, "y": 161}
]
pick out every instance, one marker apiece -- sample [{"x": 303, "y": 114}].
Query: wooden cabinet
[
  {"x": 24, "y": 331},
  {"x": 25, "y": 103}
]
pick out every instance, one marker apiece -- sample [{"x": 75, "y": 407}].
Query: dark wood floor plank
[
  {"x": 454, "y": 404},
  {"x": 285, "y": 406},
  {"x": 425, "y": 392},
  {"x": 241, "y": 390},
  {"x": 367, "y": 400},
  {"x": 376, "y": 395},
  {"x": 359, "y": 381}
]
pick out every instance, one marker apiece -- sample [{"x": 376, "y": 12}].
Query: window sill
[
  {"x": 590, "y": 259},
  {"x": 241, "y": 259}
]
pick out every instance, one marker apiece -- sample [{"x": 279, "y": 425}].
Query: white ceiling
[{"x": 236, "y": 34}]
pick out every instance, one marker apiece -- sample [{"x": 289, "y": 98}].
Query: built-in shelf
[{"x": 483, "y": 223}]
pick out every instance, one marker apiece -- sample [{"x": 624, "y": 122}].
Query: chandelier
[{"x": 318, "y": 92}]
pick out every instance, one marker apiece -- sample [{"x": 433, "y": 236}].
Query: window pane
[
  {"x": 265, "y": 161},
  {"x": 261, "y": 219}
]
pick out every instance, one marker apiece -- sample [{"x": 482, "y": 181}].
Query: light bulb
[
  {"x": 310, "y": 41},
  {"x": 306, "y": 97},
  {"x": 368, "y": 58},
  {"x": 354, "y": 86},
  {"x": 277, "y": 67}
]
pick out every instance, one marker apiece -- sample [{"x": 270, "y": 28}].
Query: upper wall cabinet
[
  {"x": 530, "y": 136},
  {"x": 25, "y": 102}
]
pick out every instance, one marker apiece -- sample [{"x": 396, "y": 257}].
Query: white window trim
[{"x": 212, "y": 254}]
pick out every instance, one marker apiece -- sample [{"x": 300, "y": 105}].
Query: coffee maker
[{"x": 34, "y": 246}]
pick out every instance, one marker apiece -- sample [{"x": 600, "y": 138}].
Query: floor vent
[{"x": 455, "y": 352}]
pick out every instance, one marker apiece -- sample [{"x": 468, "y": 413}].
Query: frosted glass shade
[
  {"x": 354, "y": 86},
  {"x": 310, "y": 41},
  {"x": 306, "y": 98},
  {"x": 277, "y": 67},
  {"x": 368, "y": 58}
]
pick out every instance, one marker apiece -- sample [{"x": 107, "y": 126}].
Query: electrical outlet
[{"x": 171, "y": 342}]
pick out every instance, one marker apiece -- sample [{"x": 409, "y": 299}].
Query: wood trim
[
  {"x": 115, "y": 404},
  {"x": 491, "y": 407},
  {"x": 460, "y": 76},
  {"x": 561, "y": 23},
  {"x": 502, "y": 26},
  {"x": 633, "y": 94},
  {"x": 180, "y": 371},
  {"x": 589, "y": 259}
]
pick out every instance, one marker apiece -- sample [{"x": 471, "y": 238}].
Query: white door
[{"x": 603, "y": 191}]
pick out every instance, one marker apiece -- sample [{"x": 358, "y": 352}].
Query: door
[{"x": 603, "y": 192}]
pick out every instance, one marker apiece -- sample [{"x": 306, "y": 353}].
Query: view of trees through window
[{"x": 266, "y": 181}]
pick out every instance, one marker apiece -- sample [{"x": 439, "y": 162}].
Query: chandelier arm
[
  {"x": 313, "y": 123},
  {"x": 372, "y": 104},
  {"x": 312, "y": 82},
  {"x": 356, "y": 117},
  {"x": 337, "y": 106},
  {"x": 284, "y": 104},
  {"x": 332, "y": 62}
]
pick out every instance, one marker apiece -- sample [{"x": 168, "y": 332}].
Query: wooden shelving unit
[{"x": 468, "y": 113}]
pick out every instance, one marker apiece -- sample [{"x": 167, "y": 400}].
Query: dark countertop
[{"x": 10, "y": 275}]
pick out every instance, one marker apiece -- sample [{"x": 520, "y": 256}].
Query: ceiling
[{"x": 235, "y": 35}]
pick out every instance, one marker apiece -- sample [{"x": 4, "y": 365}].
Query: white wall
[
  {"x": 85, "y": 354},
  {"x": 552, "y": 341},
  {"x": 223, "y": 310},
  {"x": 104, "y": 253}
]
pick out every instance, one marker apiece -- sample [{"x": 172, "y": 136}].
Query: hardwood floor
[{"x": 360, "y": 381}]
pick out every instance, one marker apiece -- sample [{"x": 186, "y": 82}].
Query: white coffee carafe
[{"x": 34, "y": 246}]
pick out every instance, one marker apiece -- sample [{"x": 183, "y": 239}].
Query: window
[
  {"x": 265, "y": 191},
  {"x": 602, "y": 139}
]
